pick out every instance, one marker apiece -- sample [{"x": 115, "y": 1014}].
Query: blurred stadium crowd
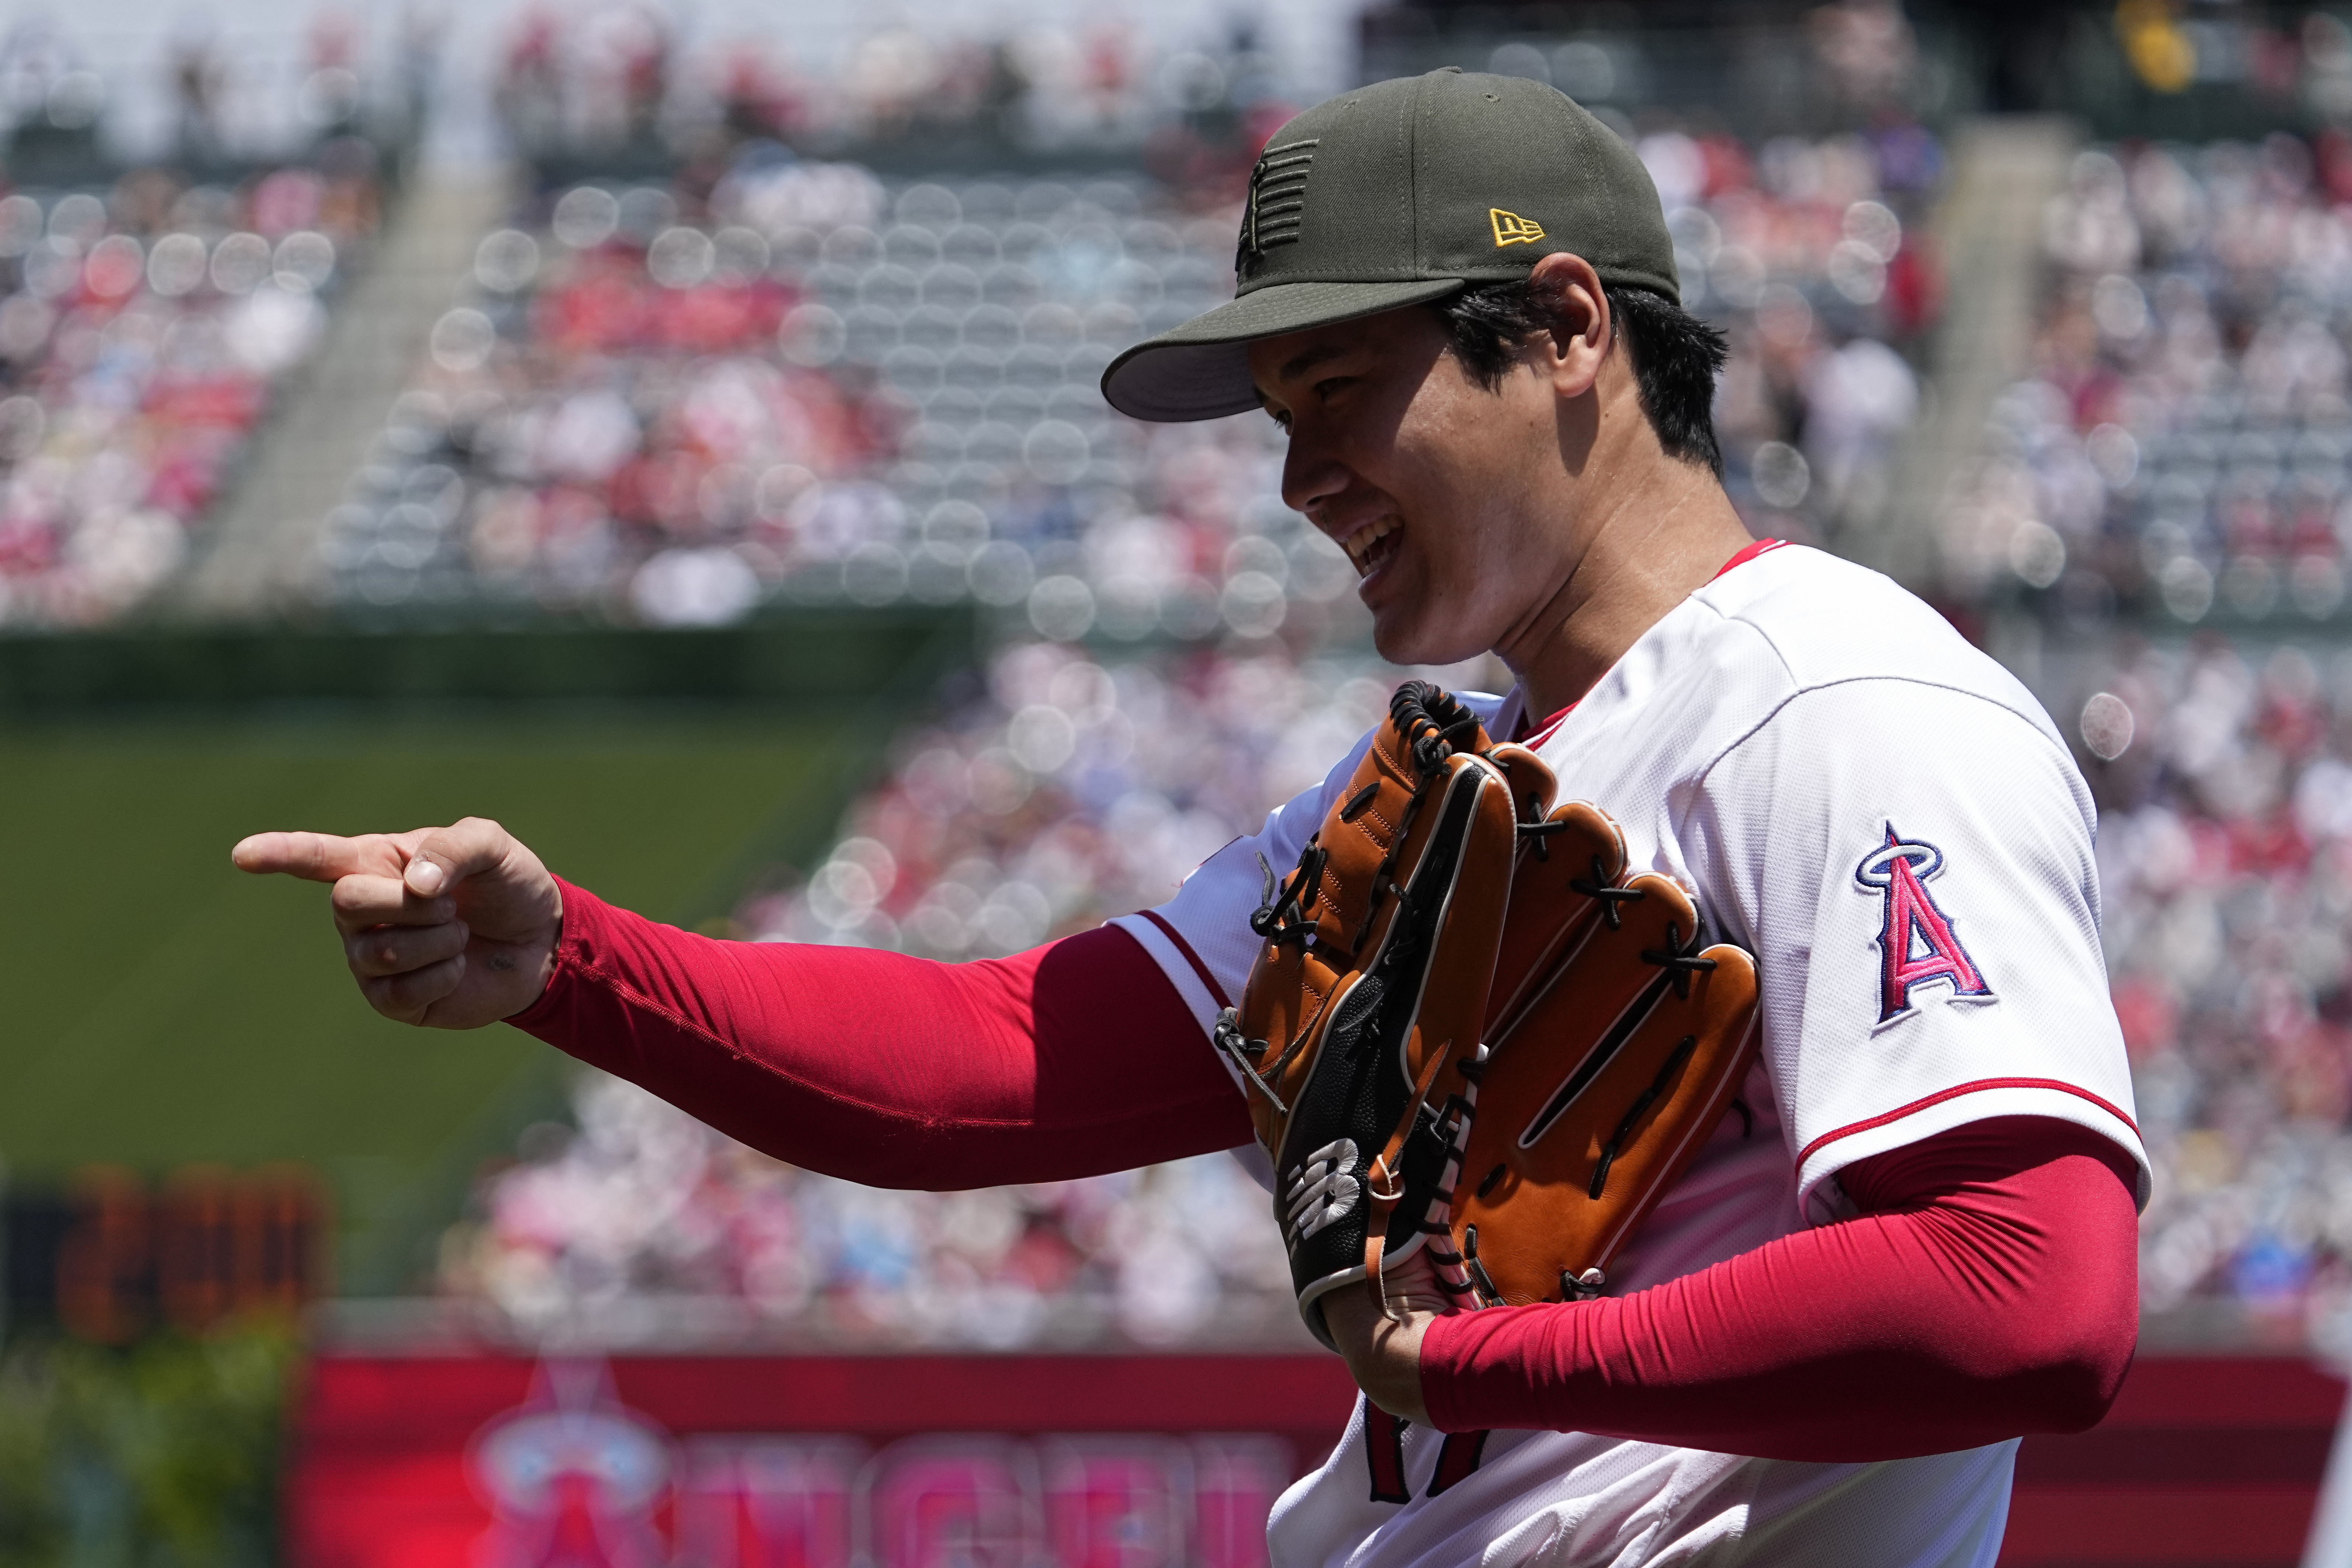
[
  {"x": 2180, "y": 458},
  {"x": 1811, "y": 254},
  {"x": 145, "y": 328},
  {"x": 2225, "y": 852},
  {"x": 2183, "y": 448},
  {"x": 649, "y": 1227}
]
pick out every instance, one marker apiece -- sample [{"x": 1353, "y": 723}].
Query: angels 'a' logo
[{"x": 1916, "y": 943}]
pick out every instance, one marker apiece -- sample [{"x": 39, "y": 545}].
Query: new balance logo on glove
[{"x": 1323, "y": 1189}]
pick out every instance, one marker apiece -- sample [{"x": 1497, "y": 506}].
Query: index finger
[{"x": 318, "y": 857}]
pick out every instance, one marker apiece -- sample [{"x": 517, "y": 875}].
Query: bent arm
[
  {"x": 1986, "y": 1290},
  {"x": 1070, "y": 1059}
]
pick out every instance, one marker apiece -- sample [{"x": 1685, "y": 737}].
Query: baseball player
[{"x": 1912, "y": 1238}]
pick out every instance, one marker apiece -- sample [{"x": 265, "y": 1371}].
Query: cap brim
[{"x": 1200, "y": 370}]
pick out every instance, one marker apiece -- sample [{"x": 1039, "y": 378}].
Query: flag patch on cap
[
  {"x": 1510, "y": 229},
  {"x": 1277, "y": 200}
]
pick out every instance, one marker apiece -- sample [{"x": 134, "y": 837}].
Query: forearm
[
  {"x": 1073, "y": 1058},
  {"x": 1999, "y": 1302}
]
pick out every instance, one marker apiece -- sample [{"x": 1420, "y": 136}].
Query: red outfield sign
[
  {"x": 1088, "y": 1462},
  {"x": 803, "y": 1462}
]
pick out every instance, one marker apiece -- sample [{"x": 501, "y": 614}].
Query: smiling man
[{"x": 1913, "y": 1242}]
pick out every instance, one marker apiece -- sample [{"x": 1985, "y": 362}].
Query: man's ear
[{"x": 1571, "y": 354}]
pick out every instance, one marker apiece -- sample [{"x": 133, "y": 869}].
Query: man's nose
[{"x": 1310, "y": 474}]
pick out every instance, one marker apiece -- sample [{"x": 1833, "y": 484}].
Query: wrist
[
  {"x": 1382, "y": 1352},
  {"x": 1437, "y": 1357},
  {"x": 542, "y": 957},
  {"x": 539, "y": 963},
  {"x": 1476, "y": 1371}
]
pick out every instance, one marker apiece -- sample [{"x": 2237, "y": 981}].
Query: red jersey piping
[
  {"x": 1747, "y": 552},
  {"x": 1538, "y": 736},
  {"x": 1940, "y": 1096},
  {"x": 1199, "y": 968}
]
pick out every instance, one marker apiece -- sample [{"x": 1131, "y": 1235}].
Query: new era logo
[{"x": 1510, "y": 229}]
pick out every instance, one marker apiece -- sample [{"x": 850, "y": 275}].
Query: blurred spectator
[
  {"x": 1868, "y": 48},
  {"x": 142, "y": 328},
  {"x": 199, "y": 80},
  {"x": 2181, "y": 449}
]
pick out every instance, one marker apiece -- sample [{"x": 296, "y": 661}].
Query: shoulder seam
[
  {"x": 1775, "y": 711},
  {"x": 1760, "y": 635}
]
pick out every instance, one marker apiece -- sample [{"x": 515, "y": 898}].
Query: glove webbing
[
  {"x": 1428, "y": 742},
  {"x": 1282, "y": 915}
]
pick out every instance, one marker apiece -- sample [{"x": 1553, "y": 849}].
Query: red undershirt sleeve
[
  {"x": 1070, "y": 1059},
  {"x": 1988, "y": 1290}
]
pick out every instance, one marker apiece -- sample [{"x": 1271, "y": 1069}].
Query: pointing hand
[{"x": 450, "y": 928}]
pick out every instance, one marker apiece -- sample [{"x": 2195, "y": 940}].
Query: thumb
[{"x": 441, "y": 858}]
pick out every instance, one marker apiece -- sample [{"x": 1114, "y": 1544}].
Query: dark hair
[{"x": 1676, "y": 356}]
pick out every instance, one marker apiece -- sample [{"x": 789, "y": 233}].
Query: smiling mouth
[{"x": 1370, "y": 546}]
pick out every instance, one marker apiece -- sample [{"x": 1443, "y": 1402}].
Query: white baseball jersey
[{"x": 1892, "y": 824}]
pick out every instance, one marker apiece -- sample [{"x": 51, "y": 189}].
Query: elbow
[
  {"x": 2069, "y": 1380},
  {"x": 2078, "y": 1329},
  {"x": 2075, "y": 1394}
]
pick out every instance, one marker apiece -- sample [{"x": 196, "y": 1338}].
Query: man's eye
[{"x": 1330, "y": 384}]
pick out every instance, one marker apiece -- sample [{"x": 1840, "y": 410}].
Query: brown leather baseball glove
[{"x": 1459, "y": 978}]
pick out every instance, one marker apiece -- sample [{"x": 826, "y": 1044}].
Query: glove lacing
[{"x": 1430, "y": 721}]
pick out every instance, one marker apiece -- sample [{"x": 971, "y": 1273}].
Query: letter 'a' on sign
[{"x": 1510, "y": 229}]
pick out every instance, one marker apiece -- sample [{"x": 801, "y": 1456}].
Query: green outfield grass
[{"x": 161, "y": 1007}]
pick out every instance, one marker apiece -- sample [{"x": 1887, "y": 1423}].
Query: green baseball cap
[{"x": 1399, "y": 193}]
